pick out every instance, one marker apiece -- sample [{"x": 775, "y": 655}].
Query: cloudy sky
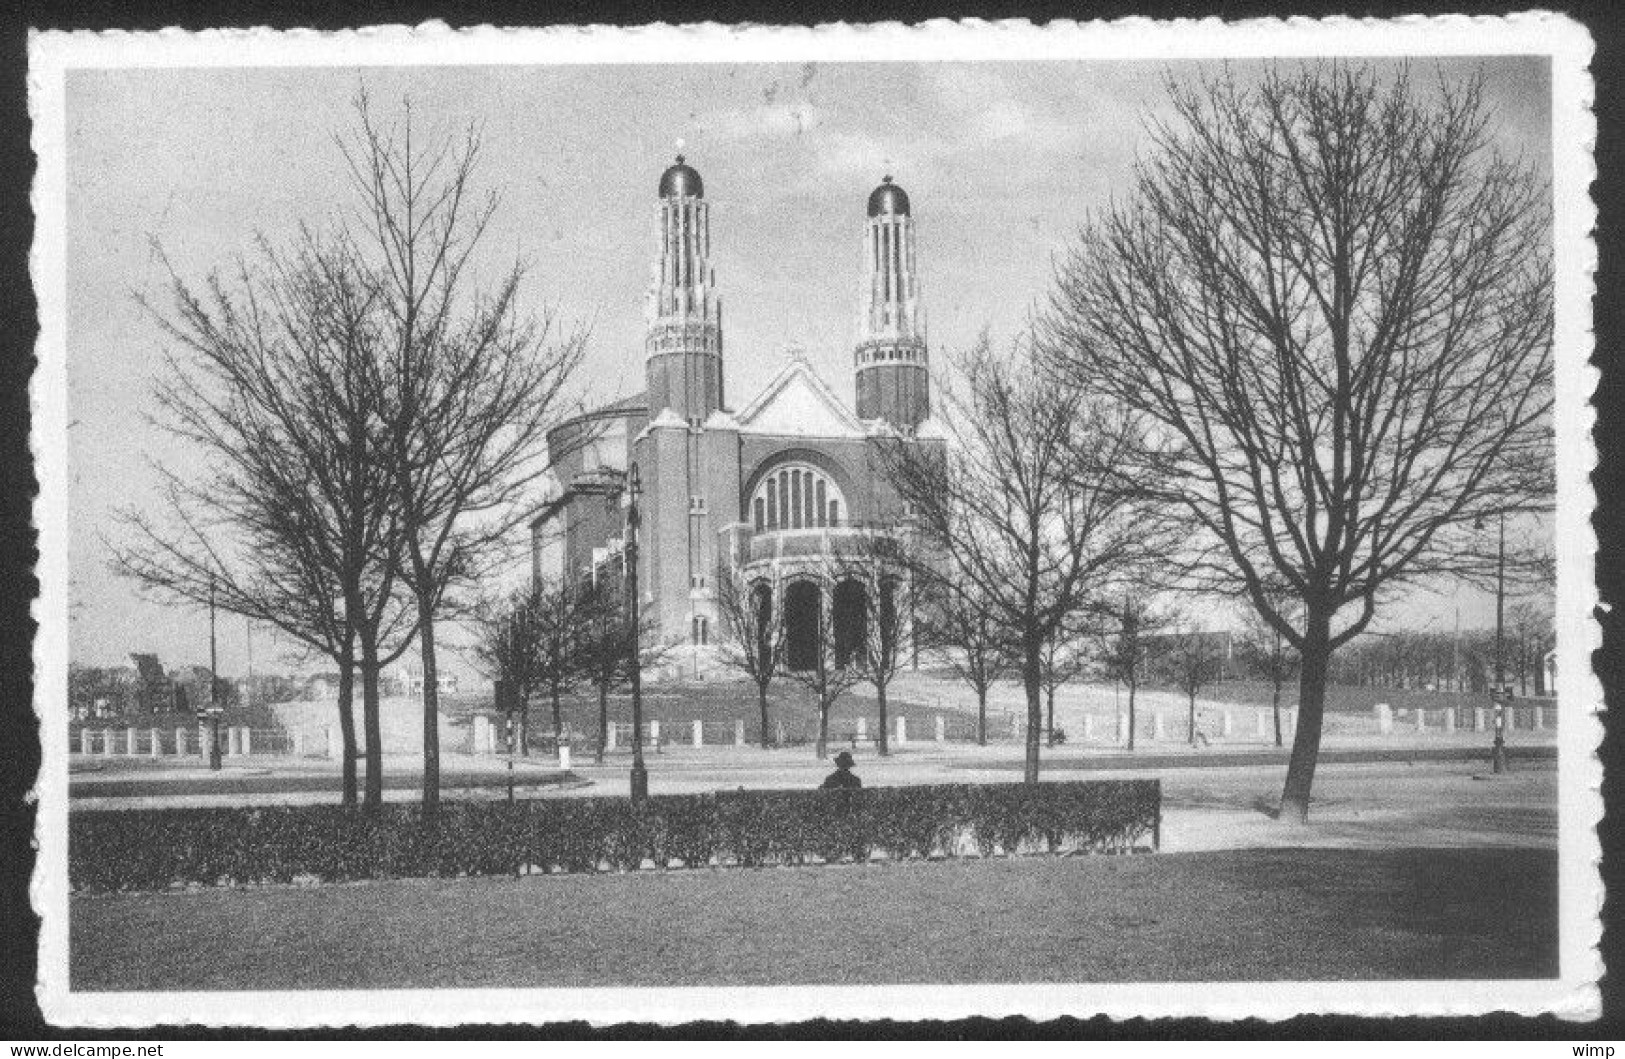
[{"x": 1001, "y": 161}]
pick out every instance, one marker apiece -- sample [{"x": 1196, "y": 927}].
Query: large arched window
[{"x": 796, "y": 496}]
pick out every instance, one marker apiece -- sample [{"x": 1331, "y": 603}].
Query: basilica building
[{"x": 773, "y": 488}]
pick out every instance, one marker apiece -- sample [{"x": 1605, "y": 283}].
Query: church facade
[{"x": 774, "y": 488}]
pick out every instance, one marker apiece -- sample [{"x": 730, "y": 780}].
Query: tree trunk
[
  {"x": 981, "y": 716},
  {"x": 603, "y": 722},
  {"x": 761, "y": 705},
  {"x": 882, "y": 747},
  {"x": 431, "y": 716},
  {"x": 1031, "y": 670},
  {"x": 372, "y": 795},
  {"x": 1300, "y": 772},
  {"x": 1190, "y": 720},
  {"x": 524, "y": 726},
  {"x": 558, "y": 716},
  {"x": 822, "y": 749},
  {"x": 1133, "y": 685},
  {"x": 1049, "y": 705},
  {"x": 1275, "y": 706},
  {"x": 347, "y": 724}
]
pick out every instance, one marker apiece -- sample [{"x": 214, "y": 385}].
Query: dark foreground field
[{"x": 1236, "y": 915}]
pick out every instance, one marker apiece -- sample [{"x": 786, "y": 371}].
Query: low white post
[
  {"x": 654, "y": 732},
  {"x": 1122, "y": 728},
  {"x": 204, "y": 732},
  {"x": 180, "y": 742},
  {"x": 248, "y": 741},
  {"x": 1385, "y": 718},
  {"x": 1159, "y": 729},
  {"x": 1421, "y": 719},
  {"x": 564, "y": 756},
  {"x": 942, "y": 728},
  {"x": 1292, "y": 721},
  {"x": 107, "y": 742},
  {"x": 1088, "y": 727},
  {"x": 739, "y": 733},
  {"x": 1540, "y": 717},
  {"x": 129, "y": 742},
  {"x": 157, "y": 746},
  {"x": 1226, "y": 724},
  {"x": 863, "y": 729},
  {"x": 86, "y": 741},
  {"x": 699, "y": 733},
  {"x": 334, "y": 747},
  {"x": 1450, "y": 719},
  {"x": 902, "y": 731},
  {"x": 1478, "y": 718}
]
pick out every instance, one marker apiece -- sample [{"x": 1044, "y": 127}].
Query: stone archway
[
  {"x": 850, "y": 616},
  {"x": 802, "y": 603}
]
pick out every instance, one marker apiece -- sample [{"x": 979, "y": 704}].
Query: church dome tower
[
  {"x": 893, "y": 378},
  {"x": 683, "y": 349}
]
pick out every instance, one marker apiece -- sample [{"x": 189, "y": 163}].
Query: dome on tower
[
  {"x": 680, "y": 180},
  {"x": 888, "y": 198}
]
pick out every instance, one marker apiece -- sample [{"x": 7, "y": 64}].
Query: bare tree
[
  {"x": 1333, "y": 302},
  {"x": 1128, "y": 650},
  {"x": 830, "y": 675},
  {"x": 752, "y": 636},
  {"x": 291, "y": 523},
  {"x": 1265, "y": 651},
  {"x": 1189, "y": 659},
  {"x": 959, "y": 627},
  {"x": 508, "y": 646},
  {"x": 604, "y": 648},
  {"x": 880, "y": 564},
  {"x": 1027, "y": 507},
  {"x": 561, "y": 614},
  {"x": 468, "y": 385},
  {"x": 1064, "y": 659},
  {"x": 1530, "y": 633}
]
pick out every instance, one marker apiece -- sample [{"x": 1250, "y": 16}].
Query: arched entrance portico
[
  {"x": 802, "y": 603},
  {"x": 850, "y": 619}
]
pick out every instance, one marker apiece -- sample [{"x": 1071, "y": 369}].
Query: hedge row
[{"x": 157, "y": 849}]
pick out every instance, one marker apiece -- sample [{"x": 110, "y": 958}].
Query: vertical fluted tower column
[
  {"x": 684, "y": 344},
  {"x": 893, "y": 376}
]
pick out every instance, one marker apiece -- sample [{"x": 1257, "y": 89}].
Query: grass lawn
[
  {"x": 719, "y": 703},
  {"x": 1280, "y": 914}
]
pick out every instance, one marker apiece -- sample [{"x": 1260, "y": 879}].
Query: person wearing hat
[{"x": 843, "y": 778}]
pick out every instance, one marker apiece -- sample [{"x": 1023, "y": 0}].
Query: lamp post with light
[{"x": 640, "y": 774}]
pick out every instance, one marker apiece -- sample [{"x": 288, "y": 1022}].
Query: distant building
[
  {"x": 774, "y": 487},
  {"x": 408, "y": 681}
]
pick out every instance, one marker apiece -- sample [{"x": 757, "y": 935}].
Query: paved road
[
  {"x": 1252, "y": 759},
  {"x": 292, "y": 782}
]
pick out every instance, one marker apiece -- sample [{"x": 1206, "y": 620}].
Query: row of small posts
[
  {"x": 235, "y": 741},
  {"x": 1483, "y": 718}
]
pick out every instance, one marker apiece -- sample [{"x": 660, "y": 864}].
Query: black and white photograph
[{"x": 868, "y": 522}]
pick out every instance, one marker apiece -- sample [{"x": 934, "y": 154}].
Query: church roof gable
[{"x": 797, "y": 402}]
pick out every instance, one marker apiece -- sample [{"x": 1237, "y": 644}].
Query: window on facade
[{"x": 796, "y": 496}]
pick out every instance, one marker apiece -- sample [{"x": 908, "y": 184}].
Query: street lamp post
[
  {"x": 640, "y": 774},
  {"x": 1498, "y": 691},
  {"x": 215, "y": 709}
]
